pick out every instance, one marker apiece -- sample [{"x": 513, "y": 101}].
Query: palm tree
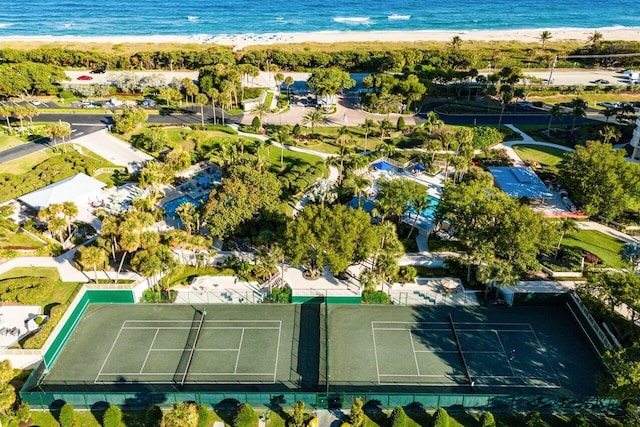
[
  {"x": 356, "y": 184},
  {"x": 505, "y": 98},
  {"x": 595, "y": 38},
  {"x": 278, "y": 78},
  {"x": 554, "y": 113},
  {"x": 261, "y": 111},
  {"x": 202, "y": 99},
  {"x": 544, "y": 37},
  {"x": 69, "y": 212},
  {"x": 283, "y": 137},
  {"x": 94, "y": 256},
  {"x": 387, "y": 149},
  {"x": 418, "y": 204},
  {"x": 31, "y": 112},
  {"x": 6, "y": 111},
  {"x": 456, "y": 42},
  {"x": 567, "y": 225},
  {"x": 313, "y": 118},
  {"x": 610, "y": 133},
  {"x": 496, "y": 273},
  {"x": 578, "y": 110},
  {"x": 213, "y": 95},
  {"x": 343, "y": 137},
  {"x": 289, "y": 81},
  {"x": 385, "y": 127},
  {"x": 367, "y": 127}
]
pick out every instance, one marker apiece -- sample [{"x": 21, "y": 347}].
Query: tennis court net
[
  {"x": 190, "y": 347},
  {"x": 464, "y": 361}
]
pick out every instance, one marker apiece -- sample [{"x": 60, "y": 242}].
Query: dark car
[
  {"x": 601, "y": 82},
  {"x": 99, "y": 70}
]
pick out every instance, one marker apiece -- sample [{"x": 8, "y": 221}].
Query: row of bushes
[
  {"x": 52, "y": 170},
  {"x": 25, "y": 290}
]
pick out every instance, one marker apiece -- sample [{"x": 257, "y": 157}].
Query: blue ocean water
[{"x": 214, "y": 17}]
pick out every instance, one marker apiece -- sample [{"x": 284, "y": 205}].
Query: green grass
[
  {"x": 9, "y": 239},
  {"x": 605, "y": 247},
  {"x": 46, "y": 272},
  {"x": 8, "y": 141},
  {"x": 545, "y": 156},
  {"x": 26, "y": 163}
]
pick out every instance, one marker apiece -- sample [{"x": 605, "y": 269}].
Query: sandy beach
[{"x": 245, "y": 40}]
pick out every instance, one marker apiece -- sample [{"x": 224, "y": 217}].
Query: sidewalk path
[{"x": 111, "y": 148}]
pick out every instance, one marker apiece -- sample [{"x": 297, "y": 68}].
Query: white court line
[
  {"x": 199, "y": 382},
  {"x": 184, "y": 328},
  {"x": 109, "y": 354},
  {"x": 375, "y": 350},
  {"x": 505, "y": 353},
  {"x": 149, "y": 351},
  {"x": 415, "y": 356},
  {"x": 163, "y": 374},
  {"x": 206, "y": 321},
  {"x": 239, "y": 349},
  {"x": 449, "y": 330},
  {"x": 275, "y": 368},
  {"x": 197, "y": 349}
]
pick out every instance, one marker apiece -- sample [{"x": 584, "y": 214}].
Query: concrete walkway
[{"x": 111, "y": 148}]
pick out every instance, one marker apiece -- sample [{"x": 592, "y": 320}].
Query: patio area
[
  {"x": 16, "y": 322},
  {"x": 445, "y": 290}
]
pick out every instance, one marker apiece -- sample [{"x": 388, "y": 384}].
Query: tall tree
[
  {"x": 578, "y": 110},
  {"x": 555, "y": 112},
  {"x": 314, "y": 118},
  {"x": 261, "y": 111},
  {"x": 544, "y": 37},
  {"x": 367, "y": 127}
]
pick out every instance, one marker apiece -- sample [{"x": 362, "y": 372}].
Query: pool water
[
  {"x": 172, "y": 205},
  {"x": 430, "y": 211}
]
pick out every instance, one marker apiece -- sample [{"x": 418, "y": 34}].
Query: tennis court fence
[
  {"x": 595, "y": 335},
  {"x": 497, "y": 403}
]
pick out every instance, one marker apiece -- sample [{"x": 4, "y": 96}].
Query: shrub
[
  {"x": 375, "y": 297},
  {"x": 487, "y": 420},
  {"x": 38, "y": 339},
  {"x": 255, "y": 123},
  {"x": 398, "y": 417},
  {"x": 65, "y": 94},
  {"x": 485, "y": 136},
  {"x": 400, "y": 125},
  {"x": 112, "y": 416},
  {"x": 67, "y": 415},
  {"x": 153, "y": 417},
  {"x": 534, "y": 419},
  {"x": 204, "y": 416},
  {"x": 441, "y": 418},
  {"x": 579, "y": 420},
  {"x": 26, "y": 290},
  {"x": 245, "y": 416},
  {"x": 282, "y": 294}
]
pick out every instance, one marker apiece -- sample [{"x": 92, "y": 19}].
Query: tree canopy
[
  {"x": 487, "y": 219},
  {"x": 336, "y": 236},
  {"x": 329, "y": 81},
  {"x": 599, "y": 180},
  {"x": 244, "y": 192}
]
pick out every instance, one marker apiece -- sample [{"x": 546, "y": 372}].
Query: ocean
[{"x": 235, "y": 17}]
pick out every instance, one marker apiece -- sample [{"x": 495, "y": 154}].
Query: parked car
[
  {"x": 99, "y": 70},
  {"x": 626, "y": 72},
  {"x": 601, "y": 82},
  {"x": 85, "y": 78},
  {"x": 609, "y": 104},
  {"x": 35, "y": 102}
]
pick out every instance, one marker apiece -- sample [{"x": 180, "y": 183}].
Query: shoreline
[{"x": 241, "y": 41}]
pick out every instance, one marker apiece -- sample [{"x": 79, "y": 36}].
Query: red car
[{"x": 85, "y": 78}]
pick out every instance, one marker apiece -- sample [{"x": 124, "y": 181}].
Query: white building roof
[{"x": 71, "y": 189}]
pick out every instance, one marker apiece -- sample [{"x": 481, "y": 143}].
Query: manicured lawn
[
  {"x": 61, "y": 292},
  {"x": 26, "y": 163},
  {"x": 9, "y": 239},
  {"x": 545, "y": 156},
  {"x": 8, "y": 141},
  {"x": 47, "y": 272},
  {"x": 605, "y": 247}
]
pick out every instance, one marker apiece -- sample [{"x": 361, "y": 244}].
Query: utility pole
[{"x": 553, "y": 66}]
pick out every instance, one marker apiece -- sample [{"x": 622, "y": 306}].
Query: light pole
[{"x": 553, "y": 66}]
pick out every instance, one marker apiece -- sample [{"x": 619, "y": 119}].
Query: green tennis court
[
  {"x": 249, "y": 344},
  {"x": 495, "y": 349}
]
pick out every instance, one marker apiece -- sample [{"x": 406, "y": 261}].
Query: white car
[{"x": 35, "y": 102}]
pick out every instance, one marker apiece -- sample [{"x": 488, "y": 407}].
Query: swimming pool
[
  {"x": 430, "y": 211},
  {"x": 172, "y": 206}
]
